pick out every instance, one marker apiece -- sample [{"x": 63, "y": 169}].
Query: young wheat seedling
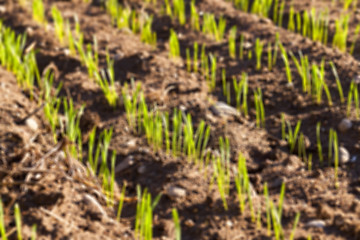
[
  {"x": 174, "y": 45},
  {"x": 259, "y": 107},
  {"x": 18, "y": 221},
  {"x": 232, "y": 42},
  {"x": 176, "y": 220},
  {"x": 258, "y": 52},
  {"x": 318, "y": 142},
  {"x": 39, "y": 11}
]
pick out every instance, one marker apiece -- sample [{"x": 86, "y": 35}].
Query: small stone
[
  {"x": 229, "y": 223},
  {"x": 344, "y": 125},
  {"x": 29, "y": 31},
  {"x": 221, "y": 108},
  {"x": 32, "y": 124},
  {"x": 67, "y": 52},
  {"x": 189, "y": 223},
  {"x": 344, "y": 155},
  {"x": 247, "y": 45},
  {"x": 289, "y": 85},
  {"x": 357, "y": 79},
  {"x": 2, "y": 9},
  {"x": 175, "y": 192},
  {"x": 131, "y": 144},
  {"x": 141, "y": 169},
  {"x": 126, "y": 163},
  {"x": 94, "y": 204},
  {"x": 316, "y": 223}
]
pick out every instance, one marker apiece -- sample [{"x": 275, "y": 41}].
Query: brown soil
[{"x": 67, "y": 205}]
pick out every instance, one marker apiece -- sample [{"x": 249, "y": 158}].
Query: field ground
[{"x": 57, "y": 193}]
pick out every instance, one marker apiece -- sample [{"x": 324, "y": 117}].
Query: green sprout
[
  {"x": 51, "y": 110},
  {"x": 223, "y": 80},
  {"x": 269, "y": 51},
  {"x": 91, "y": 144},
  {"x": 135, "y": 23},
  {"x": 177, "y": 132},
  {"x": 188, "y": 60},
  {"x": 174, "y": 45},
  {"x": 189, "y": 144},
  {"x": 123, "y": 19},
  {"x": 242, "y": 4},
  {"x": 18, "y": 221},
  {"x": 195, "y": 57},
  {"x": 353, "y": 94},
  {"x": 330, "y": 145},
  {"x": 302, "y": 148},
  {"x": 147, "y": 35},
  {"x": 258, "y": 52},
  {"x": 130, "y": 104},
  {"x": 241, "y": 91},
  {"x": 144, "y": 214},
  {"x": 202, "y": 136},
  {"x": 338, "y": 83},
  {"x": 204, "y": 61},
  {"x": 276, "y": 48},
  {"x": 356, "y": 34},
  {"x": 179, "y": 11},
  {"x": 241, "y": 182},
  {"x": 281, "y": 13},
  {"x": 241, "y": 47},
  {"x": 59, "y": 24},
  {"x": 334, "y": 146},
  {"x": 276, "y": 11},
  {"x": 232, "y": 42},
  {"x": 296, "y": 222},
  {"x": 259, "y": 107},
  {"x": 221, "y": 167},
  {"x": 286, "y": 62},
  {"x": 318, "y": 143},
  {"x": 210, "y": 27},
  {"x": 298, "y": 22},
  {"x": 168, "y": 8},
  {"x": 2, "y": 222},
  {"x": 72, "y": 126},
  {"x": 291, "y": 136},
  {"x": 33, "y": 232},
  {"x": 39, "y": 11},
  {"x": 260, "y": 7},
  {"x": 347, "y": 4},
  {"x": 273, "y": 214},
  {"x": 341, "y": 32},
  {"x": 194, "y": 17},
  {"x": 107, "y": 82},
  {"x": 176, "y": 220},
  {"x": 213, "y": 71},
  {"x": 291, "y": 23},
  {"x": 303, "y": 70},
  {"x": 318, "y": 83},
  {"x": 249, "y": 54},
  {"x": 166, "y": 124},
  {"x": 70, "y": 39}
]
